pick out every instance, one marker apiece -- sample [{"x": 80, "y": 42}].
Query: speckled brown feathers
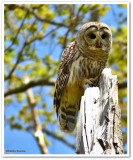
[
  {"x": 63, "y": 73},
  {"x": 82, "y": 63}
]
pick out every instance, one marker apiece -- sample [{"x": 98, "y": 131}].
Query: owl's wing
[{"x": 63, "y": 73}]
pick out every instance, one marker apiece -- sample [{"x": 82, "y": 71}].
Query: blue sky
[{"x": 21, "y": 140}]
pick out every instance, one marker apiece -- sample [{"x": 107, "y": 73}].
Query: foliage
[{"x": 35, "y": 36}]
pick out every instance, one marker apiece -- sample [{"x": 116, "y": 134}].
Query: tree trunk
[{"x": 99, "y": 126}]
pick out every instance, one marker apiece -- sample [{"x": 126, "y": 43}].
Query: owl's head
[{"x": 95, "y": 37}]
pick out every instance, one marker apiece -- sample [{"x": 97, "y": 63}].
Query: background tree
[{"x": 35, "y": 36}]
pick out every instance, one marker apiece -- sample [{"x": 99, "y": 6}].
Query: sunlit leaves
[
  {"x": 33, "y": 28},
  {"x": 40, "y": 35},
  {"x": 19, "y": 13},
  {"x": 19, "y": 97},
  {"x": 7, "y": 100},
  {"x": 122, "y": 5},
  {"x": 85, "y": 8},
  {"x": 62, "y": 9},
  {"x": 44, "y": 11},
  {"x": 48, "y": 60},
  {"x": 37, "y": 98},
  {"x": 103, "y": 11},
  {"x": 61, "y": 39},
  {"x": 9, "y": 56},
  {"x": 25, "y": 115},
  {"x": 48, "y": 115}
]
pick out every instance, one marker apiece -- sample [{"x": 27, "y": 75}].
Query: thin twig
[
  {"x": 36, "y": 38},
  {"x": 17, "y": 62},
  {"x": 18, "y": 57},
  {"x": 18, "y": 31}
]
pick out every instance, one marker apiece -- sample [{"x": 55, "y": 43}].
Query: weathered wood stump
[{"x": 99, "y": 126}]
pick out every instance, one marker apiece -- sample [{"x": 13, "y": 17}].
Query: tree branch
[
  {"x": 38, "y": 134},
  {"x": 32, "y": 83},
  {"x": 18, "y": 31},
  {"x": 29, "y": 9},
  {"x": 24, "y": 45},
  {"x": 36, "y": 38},
  {"x": 81, "y": 7},
  {"x": 122, "y": 85},
  {"x": 17, "y": 62},
  {"x": 59, "y": 138},
  {"x": 18, "y": 57},
  {"x": 41, "y": 82}
]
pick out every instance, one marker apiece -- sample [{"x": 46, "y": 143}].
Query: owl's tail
[{"x": 68, "y": 118}]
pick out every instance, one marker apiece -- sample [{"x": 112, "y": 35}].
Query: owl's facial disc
[{"x": 97, "y": 39}]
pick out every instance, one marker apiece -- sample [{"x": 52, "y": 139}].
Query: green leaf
[
  {"x": 19, "y": 97},
  {"x": 43, "y": 105},
  {"x": 37, "y": 98},
  {"x": 16, "y": 126},
  {"x": 7, "y": 100},
  {"x": 103, "y": 11},
  {"x": 11, "y": 119},
  {"x": 122, "y": 5},
  {"x": 48, "y": 59},
  {"x": 28, "y": 118},
  {"x": 53, "y": 35},
  {"x": 19, "y": 13}
]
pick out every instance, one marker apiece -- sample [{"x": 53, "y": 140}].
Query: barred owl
[{"x": 82, "y": 63}]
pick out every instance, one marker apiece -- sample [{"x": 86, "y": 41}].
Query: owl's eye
[
  {"x": 104, "y": 36},
  {"x": 92, "y": 36}
]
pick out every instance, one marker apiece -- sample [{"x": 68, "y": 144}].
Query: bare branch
[
  {"x": 59, "y": 138},
  {"x": 32, "y": 83},
  {"x": 38, "y": 134}
]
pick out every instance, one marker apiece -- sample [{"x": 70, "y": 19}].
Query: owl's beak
[{"x": 99, "y": 44}]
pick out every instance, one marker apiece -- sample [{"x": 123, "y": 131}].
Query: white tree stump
[{"x": 99, "y": 126}]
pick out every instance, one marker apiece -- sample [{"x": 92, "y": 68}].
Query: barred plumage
[{"x": 82, "y": 63}]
